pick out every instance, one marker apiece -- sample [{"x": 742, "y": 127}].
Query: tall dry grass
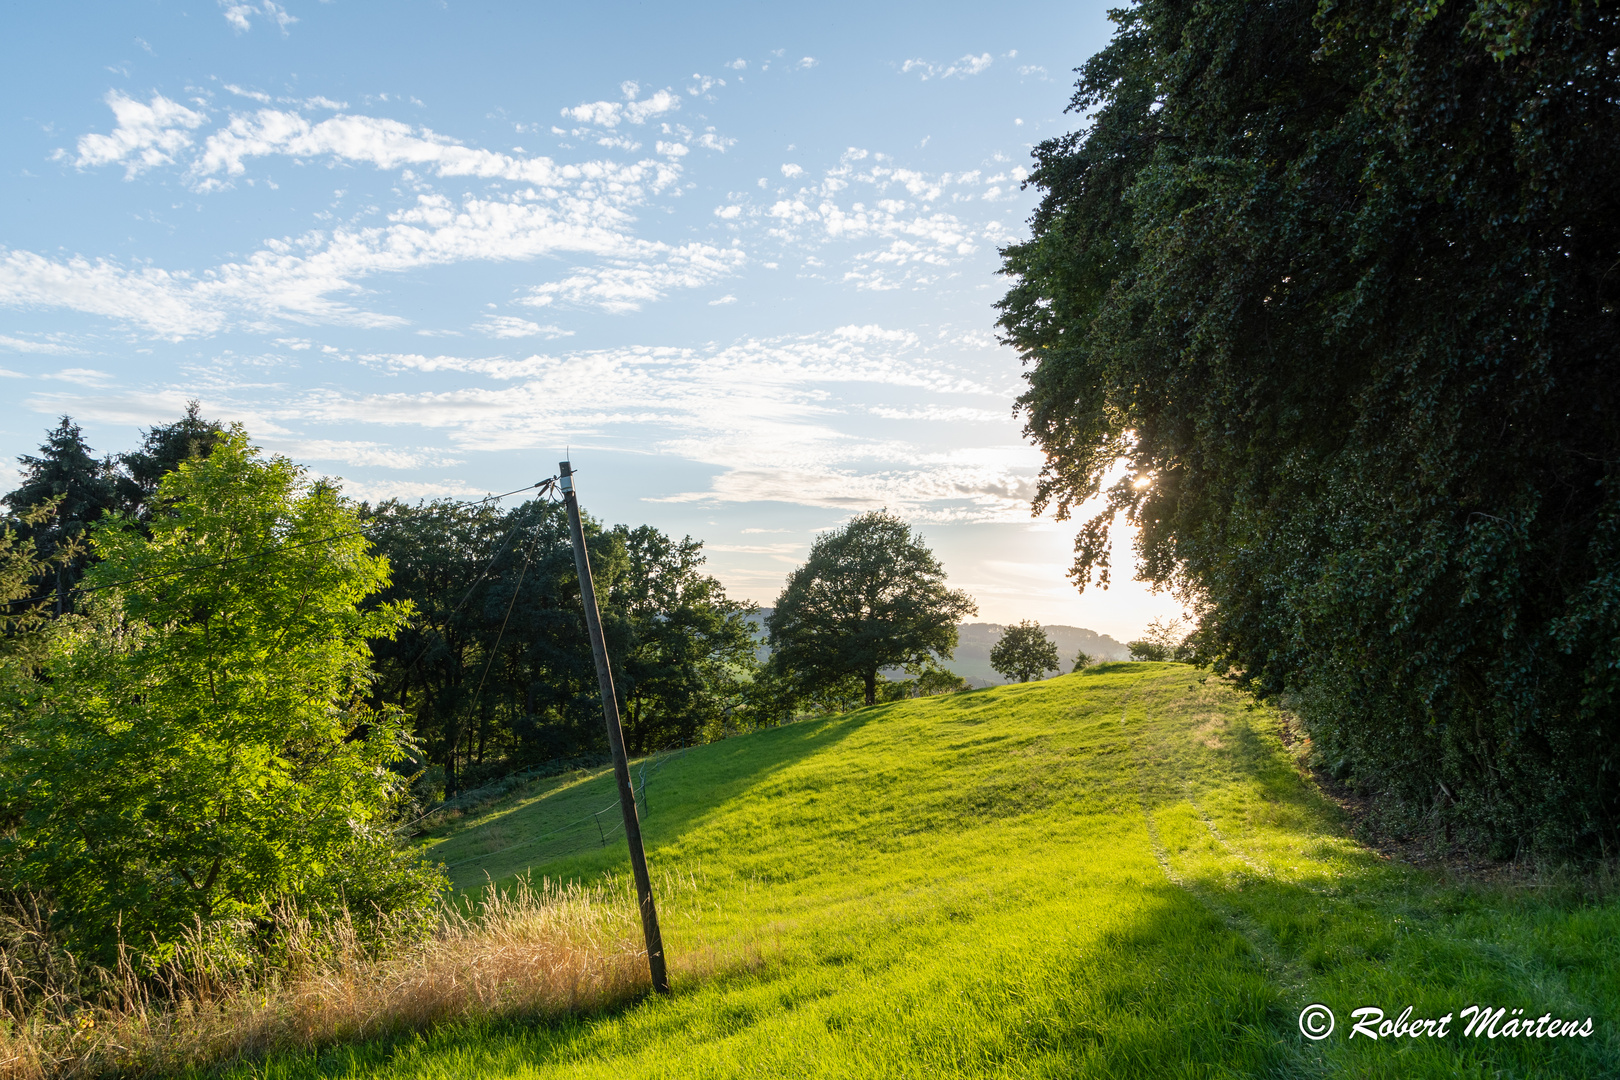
[{"x": 530, "y": 951}]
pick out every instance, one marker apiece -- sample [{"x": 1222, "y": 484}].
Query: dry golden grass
[{"x": 527, "y": 952}]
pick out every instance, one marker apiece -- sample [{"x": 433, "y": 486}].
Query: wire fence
[{"x": 574, "y": 836}]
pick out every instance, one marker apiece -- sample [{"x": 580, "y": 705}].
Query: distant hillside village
[{"x": 971, "y": 660}]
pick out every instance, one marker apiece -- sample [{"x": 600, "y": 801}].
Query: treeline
[
  {"x": 494, "y": 669},
  {"x": 226, "y": 688},
  {"x": 224, "y": 685},
  {"x": 1338, "y": 281}
]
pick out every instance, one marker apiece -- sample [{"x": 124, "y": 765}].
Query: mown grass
[{"x": 1120, "y": 873}]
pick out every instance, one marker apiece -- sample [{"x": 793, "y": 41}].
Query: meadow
[{"x": 1117, "y": 873}]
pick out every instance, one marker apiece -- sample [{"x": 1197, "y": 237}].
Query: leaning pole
[{"x": 615, "y": 733}]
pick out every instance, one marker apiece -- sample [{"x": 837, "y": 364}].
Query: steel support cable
[{"x": 496, "y": 648}]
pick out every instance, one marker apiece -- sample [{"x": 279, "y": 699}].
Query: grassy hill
[{"x": 1120, "y": 873}]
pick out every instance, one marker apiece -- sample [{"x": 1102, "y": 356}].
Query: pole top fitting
[{"x": 564, "y": 469}]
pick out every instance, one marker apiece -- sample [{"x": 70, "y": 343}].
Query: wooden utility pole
[{"x": 610, "y": 713}]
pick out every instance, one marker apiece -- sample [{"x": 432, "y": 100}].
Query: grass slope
[{"x": 1113, "y": 874}]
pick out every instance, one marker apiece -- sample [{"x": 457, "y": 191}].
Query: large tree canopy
[
  {"x": 870, "y": 596},
  {"x": 1338, "y": 281}
]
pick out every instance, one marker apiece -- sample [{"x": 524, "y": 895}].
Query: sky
[{"x": 737, "y": 261}]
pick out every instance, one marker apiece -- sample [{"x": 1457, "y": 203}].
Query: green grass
[{"x": 1114, "y": 874}]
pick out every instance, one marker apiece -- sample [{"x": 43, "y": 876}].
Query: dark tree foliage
[
  {"x": 1024, "y": 652},
  {"x": 1339, "y": 282},
  {"x": 162, "y": 450},
  {"x": 686, "y": 644},
  {"x": 870, "y": 596},
  {"x": 80, "y": 488},
  {"x": 496, "y": 669}
]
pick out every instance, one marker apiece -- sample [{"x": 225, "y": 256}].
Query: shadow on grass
[
  {"x": 1262, "y": 907},
  {"x": 682, "y": 791}
]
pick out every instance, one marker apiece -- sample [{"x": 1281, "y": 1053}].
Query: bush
[{"x": 199, "y": 749}]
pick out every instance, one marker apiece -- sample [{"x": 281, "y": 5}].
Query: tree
[
  {"x": 870, "y": 596},
  {"x": 79, "y": 489},
  {"x": 1164, "y": 641},
  {"x": 1325, "y": 276},
  {"x": 688, "y": 647},
  {"x": 199, "y": 747},
  {"x": 1024, "y": 652},
  {"x": 162, "y": 450},
  {"x": 1082, "y": 660},
  {"x": 496, "y": 670}
]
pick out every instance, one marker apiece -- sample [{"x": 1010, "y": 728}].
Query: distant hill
[{"x": 975, "y": 640}]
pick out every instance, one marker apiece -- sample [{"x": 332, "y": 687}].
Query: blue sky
[{"x": 739, "y": 258}]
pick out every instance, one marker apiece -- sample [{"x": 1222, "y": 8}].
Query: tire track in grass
[{"x": 1283, "y": 971}]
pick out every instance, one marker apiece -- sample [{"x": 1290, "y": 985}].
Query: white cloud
[
  {"x": 299, "y": 278},
  {"x": 790, "y": 171},
  {"x": 145, "y": 137},
  {"x": 610, "y": 114},
  {"x": 726, "y": 299},
  {"x": 968, "y": 65},
  {"x": 371, "y": 454},
  {"x": 728, "y": 213},
  {"x": 81, "y": 376},
  {"x": 410, "y": 490},
  {"x": 671, "y": 149},
  {"x": 389, "y": 144},
  {"x": 240, "y": 14},
  {"x": 808, "y": 62},
  {"x": 162, "y": 302},
  {"x": 738, "y": 64},
  {"x": 769, "y": 412},
  {"x": 710, "y": 141},
  {"x": 581, "y": 209},
  {"x": 626, "y": 285},
  {"x": 961, "y": 69},
  {"x": 254, "y": 95},
  {"x": 508, "y": 326},
  {"x": 12, "y": 344}
]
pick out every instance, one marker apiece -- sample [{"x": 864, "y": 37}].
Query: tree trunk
[{"x": 871, "y": 687}]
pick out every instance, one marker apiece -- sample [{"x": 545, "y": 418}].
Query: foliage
[
  {"x": 1165, "y": 640},
  {"x": 870, "y": 596},
  {"x": 1082, "y": 660},
  {"x": 1025, "y": 652},
  {"x": 163, "y": 448},
  {"x": 24, "y": 618},
  {"x": 1336, "y": 281},
  {"x": 77, "y": 487},
  {"x": 198, "y": 748},
  {"x": 971, "y": 886},
  {"x": 81, "y": 488},
  {"x": 687, "y": 647},
  {"x": 496, "y": 670},
  {"x": 936, "y": 680}
]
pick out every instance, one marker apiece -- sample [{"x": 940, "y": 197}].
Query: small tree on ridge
[{"x": 1025, "y": 652}]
